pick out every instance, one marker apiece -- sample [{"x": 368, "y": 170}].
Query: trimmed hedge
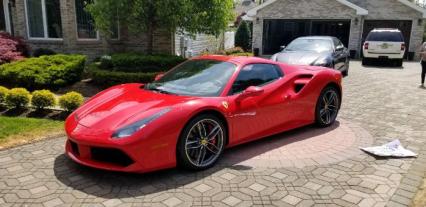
[
  {"x": 18, "y": 97},
  {"x": 71, "y": 101},
  {"x": 3, "y": 94},
  {"x": 42, "y": 99},
  {"x": 248, "y": 54},
  {"x": 43, "y": 72},
  {"x": 136, "y": 62},
  {"x": 109, "y": 78}
]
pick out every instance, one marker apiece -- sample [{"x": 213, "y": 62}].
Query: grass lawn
[{"x": 20, "y": 130}]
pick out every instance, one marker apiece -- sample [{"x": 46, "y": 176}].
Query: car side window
[
  {"x": 255, "y": 75},
  {"x": 336, "y": 42},
  {"x": 341, "y": 44}
]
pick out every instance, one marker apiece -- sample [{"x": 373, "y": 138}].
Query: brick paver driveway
[{"x": 302, "y": 168}]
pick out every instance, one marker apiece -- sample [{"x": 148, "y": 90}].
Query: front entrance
[{"x": 278, "y": 32}]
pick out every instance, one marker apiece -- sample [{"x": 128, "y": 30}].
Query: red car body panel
[{"x": 279, "y": 108}]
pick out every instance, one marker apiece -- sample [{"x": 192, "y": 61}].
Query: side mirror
[
  {"x": 282, "y": 47},
  {"x": 340, "y": 48},
  {"x": 250, "y": 92},
  {"x": 158, "y": 76}
]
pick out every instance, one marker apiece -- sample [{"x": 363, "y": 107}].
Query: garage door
[
  {"x": 277, "y": 32},
  {"x": 403, "y": 25}
]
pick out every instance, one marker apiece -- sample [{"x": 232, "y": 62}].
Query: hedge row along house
[
  {"x": 278, "y": 22},
  {"x": 65, "y": 27}
]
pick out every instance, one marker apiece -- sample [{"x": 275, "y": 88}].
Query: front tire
[
  {"x": 201, "y": 143},
  {"x": 327, "y": 108}
]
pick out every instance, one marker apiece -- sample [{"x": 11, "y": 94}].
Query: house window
[
  {"x": 44, "y": 18},
  {"x": 2, "y": 18},
  {"x": 85, "y": 22}
]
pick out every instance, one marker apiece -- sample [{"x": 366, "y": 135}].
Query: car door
[
  {"x": 256, "y": 116},
  {"x": 339, "y": 55}
]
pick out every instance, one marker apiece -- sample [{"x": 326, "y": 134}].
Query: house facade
[
  {"x": 65, "y": 27},
  {"x": 278, "y": 22}
]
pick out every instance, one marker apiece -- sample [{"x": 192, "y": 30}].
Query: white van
[{"x": 384, "y": 44}]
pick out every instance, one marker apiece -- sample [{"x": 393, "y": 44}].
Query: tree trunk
[
  {"x": 150, "y": 46},
  {"x": 150, "y": 27}
]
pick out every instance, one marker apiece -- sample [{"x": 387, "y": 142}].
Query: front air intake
[{"x": 110, "y": 155}]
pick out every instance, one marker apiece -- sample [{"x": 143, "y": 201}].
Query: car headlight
[
  {"x": 324, "y": 62},
  {"x": 129, "y": 130}
]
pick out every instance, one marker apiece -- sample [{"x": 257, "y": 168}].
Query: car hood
[
  {"x": 123, "y": 105},
  {"x": 298, "y": 57}
]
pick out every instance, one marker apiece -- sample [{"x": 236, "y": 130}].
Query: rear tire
[
  {"x": 365, "y": 61},
  {"x": 399, "y": 62},
  {"x": 201, "y": 143},
  {"x": 327, "y": 107}
]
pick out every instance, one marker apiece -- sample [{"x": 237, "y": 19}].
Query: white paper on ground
[{"x": 391, "y": 149}]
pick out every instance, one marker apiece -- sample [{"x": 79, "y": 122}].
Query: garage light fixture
[
  {"x": 356, "y": 21},
  {"x": 420, "y": 22}
]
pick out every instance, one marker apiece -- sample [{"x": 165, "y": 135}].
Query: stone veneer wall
[
  {"x": 331, "y": 9},
  {"x": 163, "y": 41}
]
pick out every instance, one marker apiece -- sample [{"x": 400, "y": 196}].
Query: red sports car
[{"x": 189, "y": 115}]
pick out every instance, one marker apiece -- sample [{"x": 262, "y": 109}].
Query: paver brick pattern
[{"x": 379, "y": 105}]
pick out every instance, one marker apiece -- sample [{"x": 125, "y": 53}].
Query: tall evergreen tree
[{"x": 243, "y": 37}]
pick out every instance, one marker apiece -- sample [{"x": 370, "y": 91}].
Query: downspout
[{"x": 361, "y": 29}]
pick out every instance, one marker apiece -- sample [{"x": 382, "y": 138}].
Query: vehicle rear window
[{"x": 385, "y": 36}]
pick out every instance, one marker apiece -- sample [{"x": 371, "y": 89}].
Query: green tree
[
  {"x": 243, "y": 37},
  {"x": 192, "y": 16}
]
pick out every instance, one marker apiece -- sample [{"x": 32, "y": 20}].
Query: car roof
[
  {"x": 317, "y": 37},
  {"x": 241, "y": 60},
  {"x": 385, "y": 30}
]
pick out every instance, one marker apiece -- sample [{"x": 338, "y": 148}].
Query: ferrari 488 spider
[{"x": 189, "y": 115}]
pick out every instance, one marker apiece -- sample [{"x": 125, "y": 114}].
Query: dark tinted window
[
  {"x": 385, "y": 36},
  {"x": 255, "y": 75}
]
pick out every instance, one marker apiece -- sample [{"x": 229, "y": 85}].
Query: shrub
[
  {"x": 3, "y": 94},
  {"x": 248, "y": 54},
  {"x": 234, "y": 50},
  {"x": 242, "y": 36},
  {"x": 136, "y": 62},
  {"x": 43, "y": 51},
  {"x": 71, "y": 101},
  {"x": 105, "y": 62},
  {"x": 43, "y": 98},
  {"x": 109, "y": 78},
  {"x": 43, "y": 72},
  {"x": 18, "y": 97},
  {"x": 11, "y": 48}
]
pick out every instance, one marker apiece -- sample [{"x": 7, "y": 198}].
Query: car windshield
[
  {"x": 385, "y": 36},
  {"x": 205, "y": 78},
  {"x": 316, "y": 45}
]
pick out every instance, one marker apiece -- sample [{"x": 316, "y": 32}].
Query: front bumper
[
  {"x": 102, "y": 157},
  {"x": 380, "y": 55}
]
